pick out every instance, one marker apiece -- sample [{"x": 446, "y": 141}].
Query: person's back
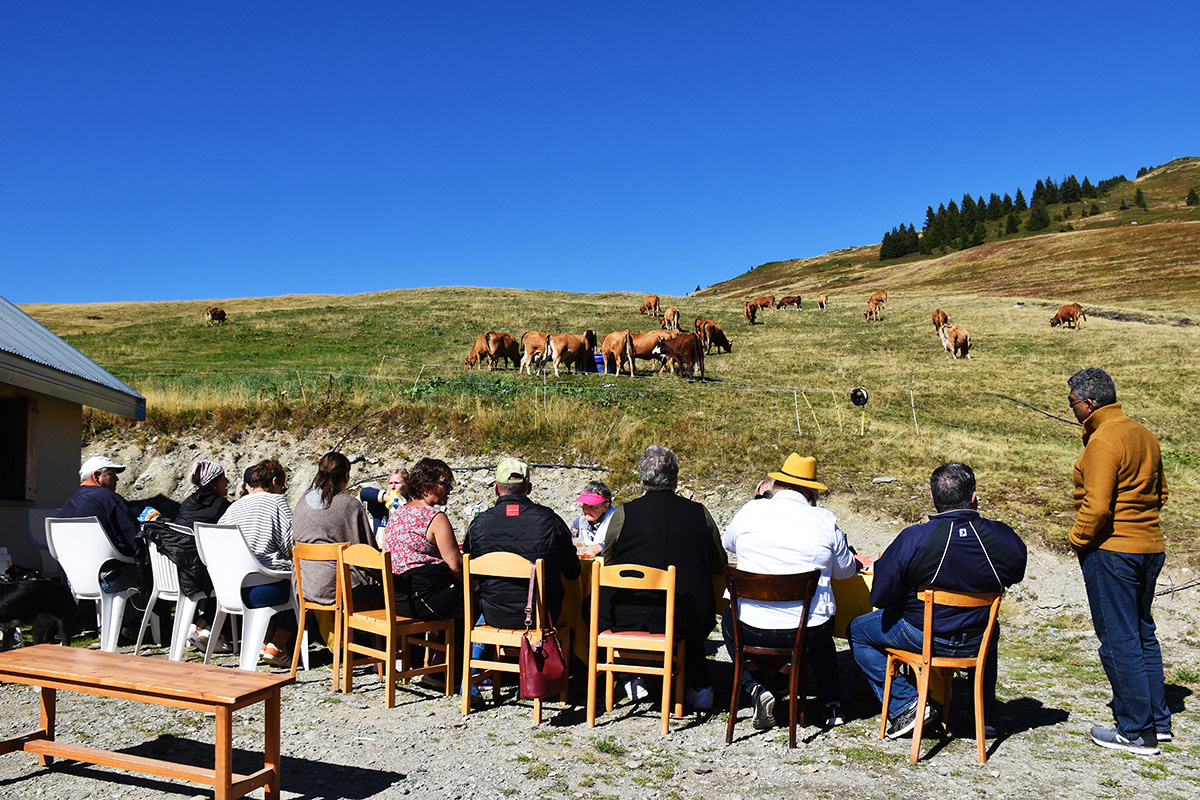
[{"x": 97, "y": 497}]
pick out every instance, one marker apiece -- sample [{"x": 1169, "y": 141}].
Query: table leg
[
  {"x": 271, "y": 759},
  {"x": 49, "y": 706},
  {"x": 223, "y": 768}
]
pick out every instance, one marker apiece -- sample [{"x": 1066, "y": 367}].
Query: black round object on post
[{"x": 859, "y": 396}]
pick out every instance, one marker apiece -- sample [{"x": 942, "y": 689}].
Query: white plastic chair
[
  {"x": 81, "y": 546},
  {"x": 232, "y": 567},
  {"x": 166, "y": 587},
  {"x": 36, "y": 530}
]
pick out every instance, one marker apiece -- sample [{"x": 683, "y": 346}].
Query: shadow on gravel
[
  {"x": 1176, "y": 694},
  {"x": 308, "y": 780},
  {"x": 1027, "y": 713}
]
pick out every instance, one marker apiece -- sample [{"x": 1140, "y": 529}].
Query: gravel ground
[{"x": 349, "y": 746}]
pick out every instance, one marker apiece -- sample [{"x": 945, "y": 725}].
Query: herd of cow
[{"x": 751, "y": 308}]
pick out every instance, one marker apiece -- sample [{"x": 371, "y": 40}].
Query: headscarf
[{"x": 202, "y": 473}]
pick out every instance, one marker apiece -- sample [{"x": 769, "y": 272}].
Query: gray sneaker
[
  {"x": 764, "y": 709},
  {"x": 1164, "y": 736},
  {"x": 1111, "y": 738},
  {"x": 907, "y": 720}
]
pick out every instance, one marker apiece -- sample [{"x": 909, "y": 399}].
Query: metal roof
[{"x": 33, "y": 357}]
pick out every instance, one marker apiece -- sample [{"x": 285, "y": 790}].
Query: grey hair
[
  {"x": 1094, "y": 384},
  {"x": 952, "y": 486},
  {"x": 658, "y": 468},
  {"x": 600, "y": 488}
]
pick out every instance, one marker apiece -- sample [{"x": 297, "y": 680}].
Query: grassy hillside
[{"x": 395, "y": 359}]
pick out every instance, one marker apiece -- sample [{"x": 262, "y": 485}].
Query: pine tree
[
  {"x": 1087, "y": 190},
  {"x": 1192, "y": 197},
  {"x": 1039, "y": 218},
  {"x": 1139, "y": 199},
  {"x": 1066, "y": 213},
  {"x": 1124, "y": 204},
  {"x": 1051, "y": 191},
  {"x": 1020, "y": 204},
  {"x": 1039, "y": 194},
  {"x": 1095, "y": 209},
  {"x": 979, "y": 235},
  {"x": 1011, "y": 225},
  {"x": 1008, "y": 204},
  {"x": 1070, "y": 191}
]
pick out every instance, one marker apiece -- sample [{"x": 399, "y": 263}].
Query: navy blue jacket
[
  {"x": 111, "y": 509},
  {"x": 955, "y": 549}
]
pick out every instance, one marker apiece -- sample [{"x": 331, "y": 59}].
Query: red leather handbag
[{"x": 543, "y": 668}]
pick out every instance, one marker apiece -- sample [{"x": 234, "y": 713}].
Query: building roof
[{"x": 33, "y": 357}]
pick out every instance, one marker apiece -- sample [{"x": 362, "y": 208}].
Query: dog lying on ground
[{"x": 39, "y": 603}]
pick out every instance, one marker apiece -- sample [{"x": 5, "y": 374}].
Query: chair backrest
[
  {"x": 634, "y": 576},
  {"x": 797, "y": 587},
  {"x": 365, "y": 557},
  {"x": 81, "y": 546},
  {"x": 224, "y": 551},
  {"x": 933, "y": 596},
  {"x": 316, "y": 551},
  {"x": 502, "y": 565},
  {"x": 166, "y": 574}
]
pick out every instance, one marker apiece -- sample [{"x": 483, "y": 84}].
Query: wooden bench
[{"x": 150, "y": 680}]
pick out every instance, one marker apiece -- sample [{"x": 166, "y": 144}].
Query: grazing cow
[
  {"x": 766, "y": 301},
  {"x": 502, "y": 346},
  {"x": 1080, "y": 309},
  {"x": 874, "y": 310},
  {"x": 749, "y": 311},
  {"x": 214, "y": 315},
  {"x": 669, "y": 321},
  {"x": 572, "y": 348},
  {"x": 650, "y": 306},
  {"x": 879, "y": 297},
  {"x": 478, "y": 352},
  {"x": 790, "y": 300},
  {"x": 643, "y": 345},
  {"x": 955, "y": 340},
  {"x": 1067, "y": 316},
  {"x": 534, "y": 343},
  {"x": 712, "y": 336},
  {"x": 684, "y": 350},
  {"x": 617, "y": 350},
  {"x": 940, "y": 320},
  {"x": 822, "y": 300}
]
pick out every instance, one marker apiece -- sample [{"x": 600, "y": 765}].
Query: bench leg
[
  {"x": 271, "y": 758},
  {"x": 48, "y": 705},
  {"x": 223, "y": 767}
]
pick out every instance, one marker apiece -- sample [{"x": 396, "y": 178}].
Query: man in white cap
[{"x": 97, "y": 497}]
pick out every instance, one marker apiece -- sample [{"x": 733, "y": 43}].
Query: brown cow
[
  {"x": 478, "y": 352},
  {"x": 643, "y": 345},
  {"x": 684, "y": 350},
  {"x": 669, "y": 321},
  {"x": 1080, "y": 309},
  {"x": 698, "y": 325},
  {"x": 879, "y": 297},
  {"x": 790, "y": 300},
  {"x": 213, "y": 315},
  {"x": 956, "y": 341},
  {"x": 650, "y": 306},
  {"x": 617, "y": 350},
  {"x": 874, "y": 310},
  {"x": 1067, "y": 316},
  {"x": 766, "y": 301},
  {"x": 502, "y": 346},
  {"x": 712, "y": 336},
  {"x": 940, "y": 320},
  {"x": 534, "y": 343},
  {"x": 572, "y": 348},
  {"x": 822, "y": 300},
  {"x": 749, "y": 311}
]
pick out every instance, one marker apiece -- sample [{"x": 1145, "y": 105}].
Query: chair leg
[
  {"x": 566, "y": 639},
  {"x": 680, "y": 654},
  {"x": 980, "y": 739},
  {"x": 465, "y": 686},
  {"x": 451, "y": 652},
  {"x": 593, "y": 658},
  {"x": 218, "y": 621},
  {"x": 300, "y": 642},
  {"x": 145, "y": 621},
  {"x": 113, "y": 611},
  {"x": 889, "y": 673},
  {"x": 389, "y": 669},
  {"x": 922, "y": 701},
  {"x": 664, "y": 725},
  {"x": 735, "y": 700},
  {"x": 254, "y": 633},
  {"x": 610, "y": 678},
  {"x": 185, "y": 612},
  {"x": 337, "y": 648}
]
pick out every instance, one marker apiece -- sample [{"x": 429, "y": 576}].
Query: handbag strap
[{"x": 529, "y": 603}]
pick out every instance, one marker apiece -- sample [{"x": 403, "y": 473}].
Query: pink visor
[{"x": 591, "y": 499}]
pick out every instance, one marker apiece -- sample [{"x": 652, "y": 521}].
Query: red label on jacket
[{"x": 512, "y": 510}]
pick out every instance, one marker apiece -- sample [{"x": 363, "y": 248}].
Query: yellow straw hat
[{"x": 799, "y": 471}]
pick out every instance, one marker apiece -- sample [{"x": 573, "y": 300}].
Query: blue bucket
[{"x": 600, "y": 363}]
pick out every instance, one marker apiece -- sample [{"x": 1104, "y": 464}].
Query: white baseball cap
[{"x": 97, "y": 463}]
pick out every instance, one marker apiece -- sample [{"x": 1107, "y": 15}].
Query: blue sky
[{"x": 162, "y": 151}]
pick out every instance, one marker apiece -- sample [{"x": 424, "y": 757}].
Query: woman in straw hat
[{"x": 781, "y": 534}]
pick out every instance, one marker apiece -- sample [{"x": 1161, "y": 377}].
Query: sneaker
[
  {"x": 430, "y": 681},
  {"x": 701, "y": 699},
  {"x": 833, "y": 715},
  {"x": 1165, "y": 736},
  {"x": 907, "y": 720},
  {"x": 989, "y": 731},
  {"x": 1112, "y": 739},
  {"x": 198, "y": 639},
  {"x": 764, "y": 709},
  {"x": 635, "y": 689},
  {"x": 272, "y": 655}
]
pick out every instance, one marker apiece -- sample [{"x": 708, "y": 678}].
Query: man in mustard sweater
[{"x": 1119, "y": 489}]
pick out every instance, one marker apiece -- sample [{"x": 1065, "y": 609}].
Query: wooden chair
[
  {"x": 500, "y": 565},
  {"x": 399, "y": 633},
  {"x": 307, "y": 551},
  {"x": 640, "y": 646},
  {"x": 795, "y": 588},
  {"x": 923, "y": 664}
]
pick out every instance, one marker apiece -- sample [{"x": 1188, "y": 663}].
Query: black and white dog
[{"x": 28, "y": 599}]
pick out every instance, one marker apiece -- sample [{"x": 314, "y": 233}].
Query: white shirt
[{"x": 781, "y": 535}]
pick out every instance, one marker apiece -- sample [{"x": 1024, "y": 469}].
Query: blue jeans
[
  {"x": 1120, "y": 589},
  {"x": 868, "y": 638}
]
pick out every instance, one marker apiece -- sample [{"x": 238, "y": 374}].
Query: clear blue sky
[{"x": 159, "y": 151}]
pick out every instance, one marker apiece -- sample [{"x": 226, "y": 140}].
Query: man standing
[
  {"x": 97, "y": 497},
  {"x": 1119, "y": 489},
  {"x": 658, "y": 530},
  {"x": 957, "y": 549},
  {"x": 516, "y": 524}
]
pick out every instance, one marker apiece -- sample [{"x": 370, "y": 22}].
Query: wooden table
[{"x": 150, "y": 680}]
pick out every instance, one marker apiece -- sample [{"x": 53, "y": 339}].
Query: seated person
[
  {"x": 97, "y": 497},
  {"x": 426, "y": 565},
  {"x": 589, "y": 528},
  {"x": 956, "y": 549},
  {"x": 382, "y": 502},
  {"x": 206, "y": 501},
  {"x": 785, "y": 532},
  {"x": 516, "y": 524},
  {"x": 265, "y": 519},
  {"x": 661, "y": 529}
]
